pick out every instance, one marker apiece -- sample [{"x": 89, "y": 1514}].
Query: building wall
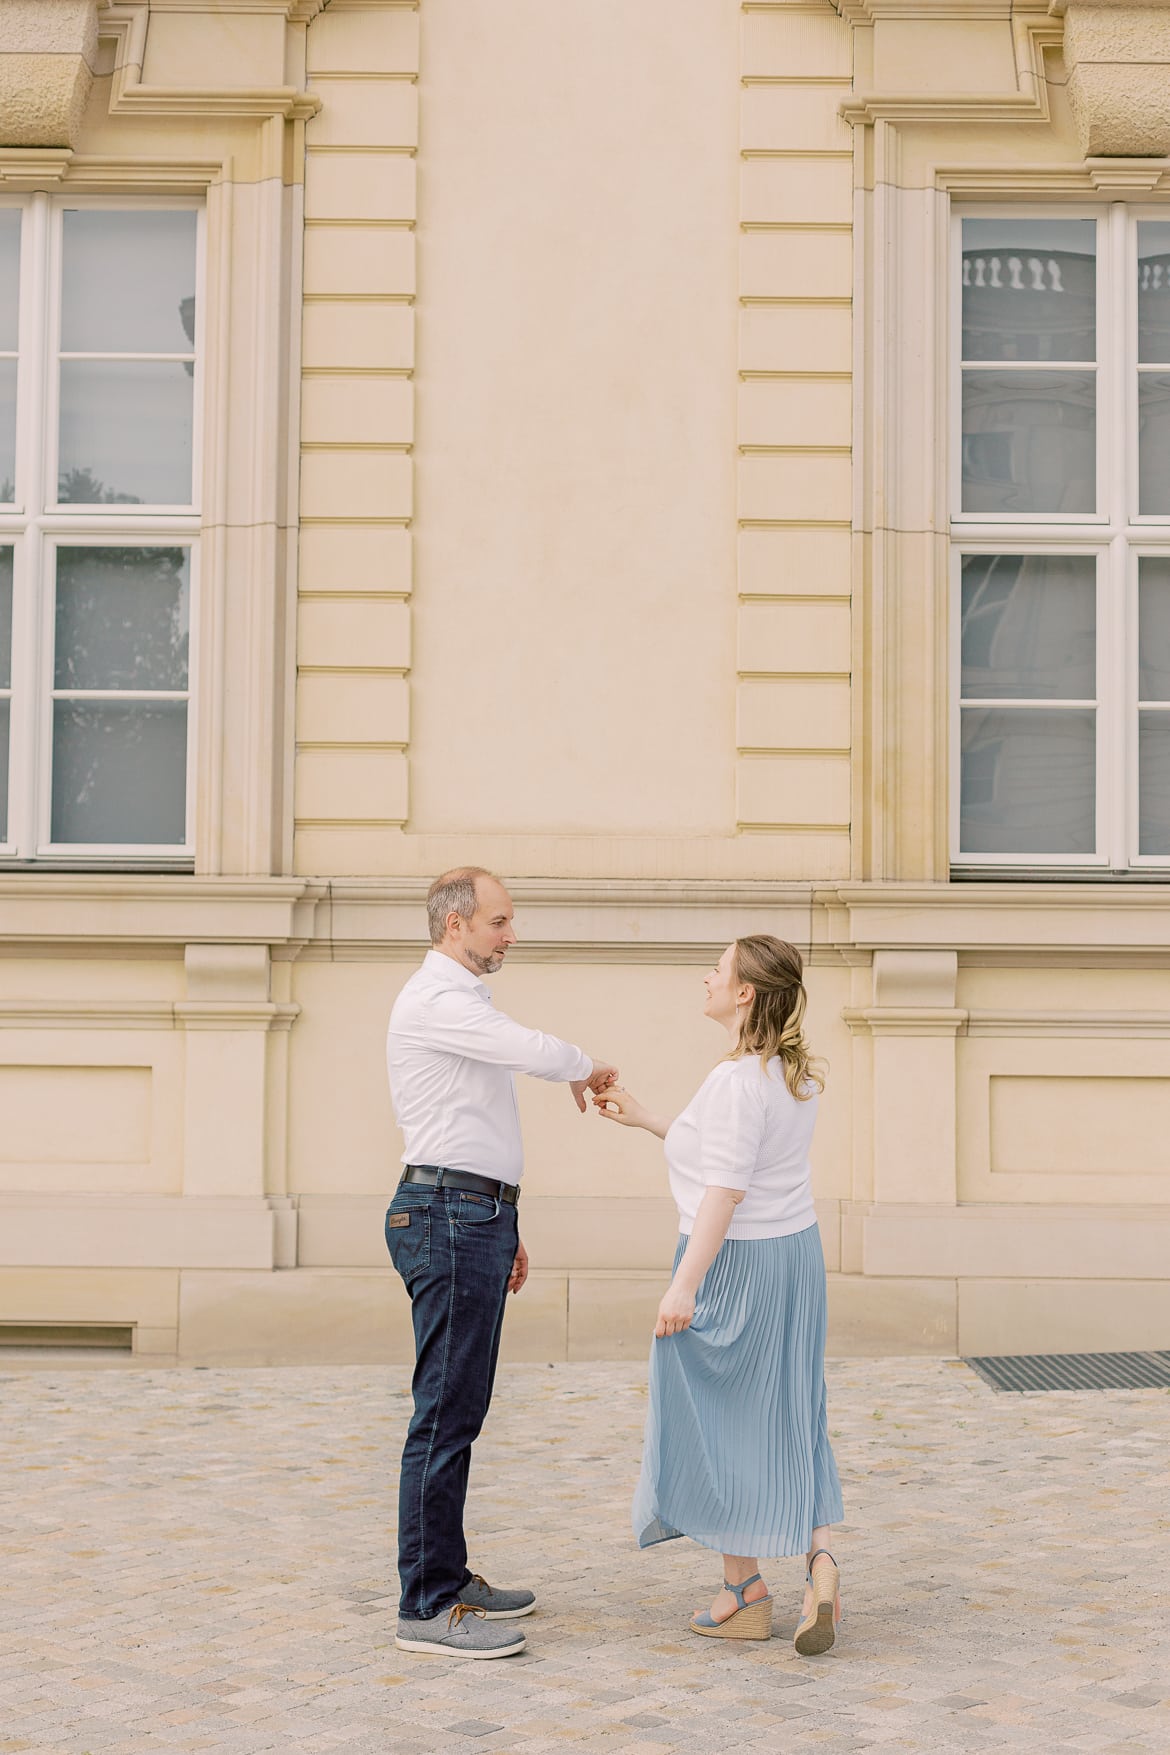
[{"x": 577, "y": 455}]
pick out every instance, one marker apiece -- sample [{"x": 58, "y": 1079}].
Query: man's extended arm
[{"x": 461, "y": 1023}]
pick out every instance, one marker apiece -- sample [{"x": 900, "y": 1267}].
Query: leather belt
[{"x": 436, "y": 1176}]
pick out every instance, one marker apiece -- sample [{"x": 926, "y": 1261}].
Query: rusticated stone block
[{"x": 47, "y": 51}]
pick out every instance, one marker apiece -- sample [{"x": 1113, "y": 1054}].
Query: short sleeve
[{"x": 731, "y": 1125}]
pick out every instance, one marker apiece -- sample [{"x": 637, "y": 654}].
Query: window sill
[{"x": 1057, "y": 874}]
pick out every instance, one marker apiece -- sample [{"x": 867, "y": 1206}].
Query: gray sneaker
[
  {"x": 460, "y": 1632},
  {"x": 497, "y": 1605}
]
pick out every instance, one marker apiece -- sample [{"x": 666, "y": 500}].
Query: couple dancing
[{"x": 737, "y": 1452}]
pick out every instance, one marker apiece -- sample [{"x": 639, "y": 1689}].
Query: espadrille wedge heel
[
  {"x": 748, "y": 1621},
  {"x": 818, "y": 1629}
]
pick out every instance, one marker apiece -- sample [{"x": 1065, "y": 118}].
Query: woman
[{"x": 737, "y": 1450}]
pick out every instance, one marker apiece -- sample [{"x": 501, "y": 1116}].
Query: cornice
[
  {"x": 866, "y": 12},
  {"x": 31, "y": 167},
  {"x": 1022, "y": 180},
  {"x": 1033, "y": 32},
  {"x": 126, "y": 22}
]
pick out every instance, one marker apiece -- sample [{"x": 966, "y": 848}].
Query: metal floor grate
[{"x": 1076, "y": 1371}]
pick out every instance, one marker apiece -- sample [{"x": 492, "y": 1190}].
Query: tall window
[
  {"x": 1061, "y": 539},
  {"x": 99, "y": 514}
]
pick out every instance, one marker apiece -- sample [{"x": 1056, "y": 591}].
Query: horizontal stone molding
[
  {"x": 904, "y": 1020},
  {"x": 96, "y": 1231},
  {"x": 1097, "y": 1242},
  {"x": 627, "y": 920}
]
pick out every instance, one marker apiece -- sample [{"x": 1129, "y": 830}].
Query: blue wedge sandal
[{"x": 748, "y": 1621}]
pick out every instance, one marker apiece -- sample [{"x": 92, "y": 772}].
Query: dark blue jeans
[{"x": 454, "y": 1253}]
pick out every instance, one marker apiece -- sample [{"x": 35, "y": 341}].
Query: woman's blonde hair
[{"x": 774, "y": 1023}]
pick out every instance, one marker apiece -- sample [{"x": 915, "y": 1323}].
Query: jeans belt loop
[{"x": 440, "y": 1172}]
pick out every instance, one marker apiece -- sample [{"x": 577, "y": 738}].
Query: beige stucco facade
[{"x": 574, "y": 451}]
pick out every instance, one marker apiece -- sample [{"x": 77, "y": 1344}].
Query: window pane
[
  {"x": 1029, "y": 289},
  {"x": 122, "y": 618},
  {"x": 128, "y": 282},
  {"x": 1154, "y": 783},
  {"x": 1153, "y": 629},
  {"x": 1154, "y": 293},
  {"x": 1153, "y": 442},
  {"x": 5, "y": 618},
  {"x": 9, "y": 278},
  {"x": 1029, "y": 627},
  {"x": 7, "y": 431},
  {"x": 1028, "y": 782},
  {"x": 125, "y": 434},
  {"x": 1029, "y": 442},
  {"x": 4, "y": 723},
  {"x": 119, "y": 772}
]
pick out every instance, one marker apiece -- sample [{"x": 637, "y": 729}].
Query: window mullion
[{"x": 31, "y": 422}]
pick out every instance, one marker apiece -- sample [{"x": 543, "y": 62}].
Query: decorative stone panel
[
  {"x": 1118, "y": 60},
  {"x": 47, "y": 53}
]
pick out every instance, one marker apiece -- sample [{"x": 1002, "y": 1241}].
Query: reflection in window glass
[
  {"x": 7, "y": 432},
  {"x": 1154, "y": 628},
  {"x": 125, "y": 433},
  {"x": 119, "y": 772},
  {"x": 1153, "y": 443},
  {"x": 5, "y": 681},
  {"x": 5, "y": 724},
  {"x": 1029, "y": 627},
  {"x": 122, "y": 618},
  {"x": 1028, "y": 781},
  {"x": 1029, "y": 289},
  {"x": 5, "y": 618},
  {"x": 1154, "y": 293},
  {"x": 9, "y": 278},
  {"x": 1154, "y": 783},
  {"x": 128, "y": 282},
  {"x": 1029, "y": 442}
]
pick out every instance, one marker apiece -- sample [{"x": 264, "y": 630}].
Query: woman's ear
[{"x": 745, "y": 995}]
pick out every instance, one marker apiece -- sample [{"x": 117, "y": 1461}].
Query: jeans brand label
[{"x": 398, "y": 1219}]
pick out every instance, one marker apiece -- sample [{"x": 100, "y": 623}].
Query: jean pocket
[
  {"x": 476, "y": 1209},
  {"x": 408, "y": 1238}
]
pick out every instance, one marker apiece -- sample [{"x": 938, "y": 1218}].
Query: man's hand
[
  {"x": 519, "y": 1268},
  {"x": 602, "y": 1075}
]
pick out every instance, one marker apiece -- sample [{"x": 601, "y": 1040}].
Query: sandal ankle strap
[{"x": 737, "y": 1590}]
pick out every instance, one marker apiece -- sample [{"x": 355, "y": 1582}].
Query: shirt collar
[{"x": 446, "y": 970}]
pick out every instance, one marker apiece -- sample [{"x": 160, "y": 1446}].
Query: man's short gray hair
[{"x": 452, "y": 893}]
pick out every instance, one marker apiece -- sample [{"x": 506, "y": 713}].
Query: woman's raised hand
[{"x": 615, "y": 1103}]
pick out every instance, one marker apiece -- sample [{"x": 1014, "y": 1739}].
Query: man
[{"x": 452, "y": 1235}]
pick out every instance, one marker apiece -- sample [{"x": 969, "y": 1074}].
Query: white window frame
[
  {"x": 39, "y": 524},
  {"x": 1115, "y": 534}
]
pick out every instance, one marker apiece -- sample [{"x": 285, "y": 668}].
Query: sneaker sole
[
  {"x": 440, "y": 1650},
  {"x": 506, "y": 1614}
]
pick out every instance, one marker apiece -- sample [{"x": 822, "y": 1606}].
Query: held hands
[
  {"x": 602, "y": 1075},
  {"x": 675, "y": 1313},
  {"x": 615, "y": 1103}
]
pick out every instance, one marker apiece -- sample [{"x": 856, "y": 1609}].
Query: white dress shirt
[
  {"x": 745, "y": 1130},
  {"x": 451, "y": 1056}
]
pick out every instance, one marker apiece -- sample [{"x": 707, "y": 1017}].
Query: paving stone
[{"x": 202, "y": 1560}]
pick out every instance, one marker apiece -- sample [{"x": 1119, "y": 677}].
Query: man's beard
[{"x": 486, "y": 965}]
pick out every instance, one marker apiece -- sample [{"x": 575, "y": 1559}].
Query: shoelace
[{"x": 458, "y": 1612}]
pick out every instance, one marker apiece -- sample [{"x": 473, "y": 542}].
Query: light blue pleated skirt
[{"x": 737, "y": 1453}]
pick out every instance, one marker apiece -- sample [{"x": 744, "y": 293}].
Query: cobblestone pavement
[{"x": 201, "y": 1559}]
